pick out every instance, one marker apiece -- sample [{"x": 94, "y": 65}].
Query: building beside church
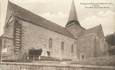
[{"x": 25, "y": 31}]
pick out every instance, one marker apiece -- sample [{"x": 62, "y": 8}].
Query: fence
[{"x": 43, "y": 66}]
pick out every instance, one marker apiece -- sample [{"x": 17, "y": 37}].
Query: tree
[
  {"x": 111, "y": 42},
  {"x": 111, "y": 39}
]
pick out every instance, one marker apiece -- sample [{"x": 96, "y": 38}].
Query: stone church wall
[
  {"x": 91, "y": 45},
  {"x": 36, "y": 37},
  {"x": 86, "y": 46}
]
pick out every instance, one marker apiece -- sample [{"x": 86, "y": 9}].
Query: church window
[
  {"x": 62, "y": 46},
  {"x": 72, "y": 48},
  {"x": 1, "y": 42},
  {"x": 50, "y": 43},
  {"x": 82, "y": 56}
]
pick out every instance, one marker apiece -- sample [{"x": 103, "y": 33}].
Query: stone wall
[
  {"x": 86, "y": 46},
  {"x": 38, "y": 37},
  {"x": 41, "y": 66}
]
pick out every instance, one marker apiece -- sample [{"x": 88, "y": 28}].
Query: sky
[{"x": 58, "y": 11}]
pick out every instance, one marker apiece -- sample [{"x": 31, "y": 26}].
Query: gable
[{"x": 97, "y": 30}]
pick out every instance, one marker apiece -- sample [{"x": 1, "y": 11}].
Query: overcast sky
[{"x": 58, "y": 12}]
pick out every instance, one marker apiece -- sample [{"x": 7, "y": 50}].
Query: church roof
[
  {"x": 73, "y": 15},
  {"x": 94, "y": 29},
  {"x": 37, "y": 20},
  {"x": 97, "y": 29}
]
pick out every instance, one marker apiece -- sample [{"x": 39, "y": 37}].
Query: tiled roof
[
  {"x": 94, "y": 29},
  {"x": 97, "y": 29},
  {"x": 37, "y": 20}
]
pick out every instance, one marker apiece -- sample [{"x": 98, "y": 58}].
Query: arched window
[
  {"x": 82, "y": 56},
  {"x": 72, "y": 49},
  {"x": 62, "y": 46},
  {"x": 0, "y": 43},
  {"x": 50, "y": 43}
]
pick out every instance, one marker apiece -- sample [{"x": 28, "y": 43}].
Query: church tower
[{"x": 73, "y": 25}]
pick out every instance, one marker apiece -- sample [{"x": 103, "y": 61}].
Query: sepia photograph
[{"x": 57, "y": 34}]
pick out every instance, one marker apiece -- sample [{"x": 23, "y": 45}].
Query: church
[{"x": 26, "y": 33}]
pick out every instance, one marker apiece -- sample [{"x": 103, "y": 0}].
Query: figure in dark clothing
[{"x": 48, "y": 53}]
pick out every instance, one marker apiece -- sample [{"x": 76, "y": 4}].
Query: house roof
[{"x": 37, "y": 20}]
